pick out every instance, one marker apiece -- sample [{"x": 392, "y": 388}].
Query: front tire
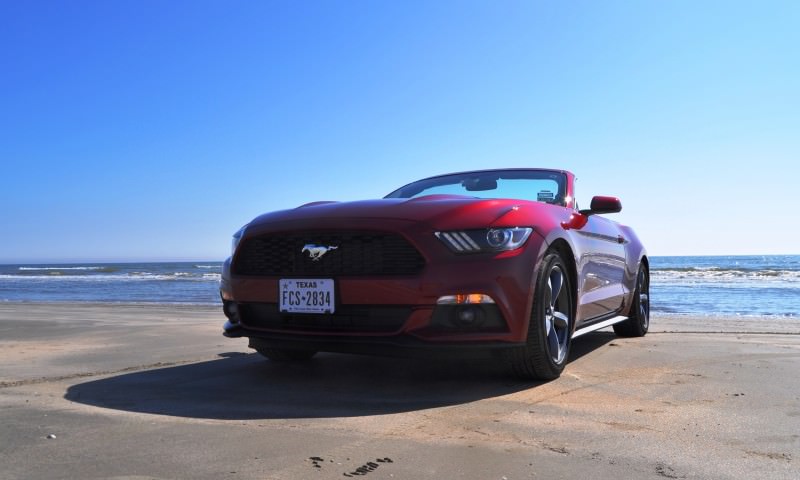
[
  {"x": 286, "y": 355},
  {"x": 638, "y": 320},
  {"x": 550, "y": 330}
]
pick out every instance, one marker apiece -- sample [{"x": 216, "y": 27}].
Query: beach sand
[{"x": 156, "y": 392}]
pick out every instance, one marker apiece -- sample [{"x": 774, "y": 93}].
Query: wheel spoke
[
  {"x": 560, "y": 320},
  {"x": 554, "y": 344},
  {"x": 556, "y": 281}
]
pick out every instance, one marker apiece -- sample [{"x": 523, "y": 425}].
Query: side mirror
[{"x": 602, "y": 204}]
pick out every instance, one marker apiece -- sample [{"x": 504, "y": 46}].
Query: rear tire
[
  {"x": 286, "y": 355},
  {"x": 550, "y": 330},
  {"x": 639, "y": 318}
]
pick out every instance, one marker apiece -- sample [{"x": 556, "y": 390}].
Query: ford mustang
[{"x": 500, "y": 263}]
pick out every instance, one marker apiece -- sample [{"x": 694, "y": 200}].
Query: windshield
[{"x": 535, "y": 185}]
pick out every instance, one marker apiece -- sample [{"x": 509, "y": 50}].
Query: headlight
[
  {"x": 236, "y": 238},
  {"x": 491, "y": 240}
]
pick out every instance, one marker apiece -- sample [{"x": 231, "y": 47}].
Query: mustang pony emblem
[{"x": 315, "y": 252}]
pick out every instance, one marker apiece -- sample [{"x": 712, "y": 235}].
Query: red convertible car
[{"x": 501, "y": 262}]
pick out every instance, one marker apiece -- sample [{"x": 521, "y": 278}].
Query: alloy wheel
[
  {"x": 557, "y": 315},
  {"x": 643, "y": 287}
]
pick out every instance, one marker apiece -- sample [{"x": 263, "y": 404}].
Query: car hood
[{"x": 438, "y": 211}]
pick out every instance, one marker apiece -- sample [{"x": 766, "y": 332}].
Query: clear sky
[{"x": 152, "y": 130}]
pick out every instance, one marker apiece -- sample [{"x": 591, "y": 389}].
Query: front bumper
[{"x": 251, "y": 303}]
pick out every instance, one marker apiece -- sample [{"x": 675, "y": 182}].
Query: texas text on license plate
[{"x": 306, "y": 295}]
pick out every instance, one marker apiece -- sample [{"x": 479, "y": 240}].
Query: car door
[{"x": 601, "y": 268}]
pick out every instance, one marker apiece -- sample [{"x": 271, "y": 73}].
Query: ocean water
[
  {"x": 715, "y": 285},
  {"x": 182, "y": 282},
  {"x": 728, "y": 285}
]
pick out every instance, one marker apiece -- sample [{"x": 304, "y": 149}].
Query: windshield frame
[{"x": 412, "y": 189}]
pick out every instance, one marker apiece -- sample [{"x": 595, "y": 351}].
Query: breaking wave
[
  {"x": 58, "y": 269},
  {"x": 716, "y": 274},
  {"x": 126, "y": 277}
]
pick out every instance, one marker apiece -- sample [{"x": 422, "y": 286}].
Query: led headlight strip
[
  {"x": 458, "y": 241},
  {"x": 485, "y": 240}
]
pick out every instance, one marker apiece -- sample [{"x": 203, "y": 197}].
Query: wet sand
[{"x": 156, "y": 392}]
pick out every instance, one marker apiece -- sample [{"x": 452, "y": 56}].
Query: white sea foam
[
  {"x": 208, "y": 266},
  {"x": 61, "y": 268},
  {"x": 717, "y": 275},
  {"x": 127, "y": 277}
]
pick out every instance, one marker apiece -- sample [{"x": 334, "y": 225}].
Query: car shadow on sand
[{"x": 246, "y": 386}]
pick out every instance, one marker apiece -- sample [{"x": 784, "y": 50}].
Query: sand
[{"x": 156, "y": 392}]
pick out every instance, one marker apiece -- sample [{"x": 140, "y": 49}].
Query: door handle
[{"x": 620, "y": 239}]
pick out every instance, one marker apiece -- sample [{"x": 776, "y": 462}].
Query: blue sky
[{"x": 148, "y": 130}]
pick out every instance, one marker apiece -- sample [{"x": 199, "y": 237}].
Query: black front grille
[
  {"x": 349, "y": 318},
  {"x": 356, "y": 253}
]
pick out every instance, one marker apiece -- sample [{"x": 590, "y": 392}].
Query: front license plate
[{"x": 306, "y": 295}]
